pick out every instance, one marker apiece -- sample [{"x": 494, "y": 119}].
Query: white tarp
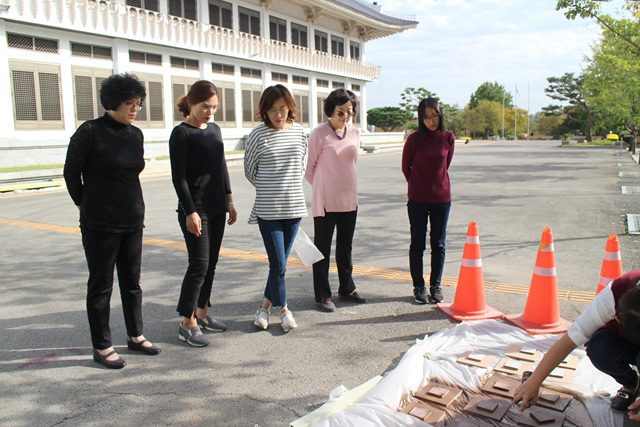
[{"x": 379, "y": 406}]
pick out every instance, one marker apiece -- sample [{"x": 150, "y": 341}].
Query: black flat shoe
[
  {"x": 119, "y": 363},
  {"x": 355, "y": 297},
  {"x": 138, "y": 346}
]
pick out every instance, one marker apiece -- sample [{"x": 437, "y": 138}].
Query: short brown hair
[
  {"x": 269, "y": 97},
  {"x": 199, "y": 92}
]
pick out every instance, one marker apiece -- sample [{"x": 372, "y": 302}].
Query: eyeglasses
[
  {"x": 132, "y": 105},
  {"x": 342, "y": 113},
  {"x": 282, "y": 111},
  {"x": 435, "y": 116}
]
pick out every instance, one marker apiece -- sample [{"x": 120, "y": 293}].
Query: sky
[{"x": 460, "y": 44}]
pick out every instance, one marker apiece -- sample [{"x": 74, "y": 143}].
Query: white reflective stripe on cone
[
  {"x": 471, "y": 262},
  {"x": 612, "y": 256},
  {"x": 604, "y": 281},
  {"x": 474, "y": 240},
  {"x": 544, "y": 271},
  {"x": 547, "y": 248}
]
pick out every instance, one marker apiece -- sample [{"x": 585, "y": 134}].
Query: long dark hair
[
  {"x": 422, "y": 108},
  {"x": 628, "y": 314}
]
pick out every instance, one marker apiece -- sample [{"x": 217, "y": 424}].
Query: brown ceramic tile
[
  {"x": 541, "y": 417},
  {"x": 488, "y": 407},
  {"x": 520, "y": 352},
  {"x": 553, "y": 399},
  {"x": 476, "y": 359},
  {"x": 514, "y": 367},
  {"x": 424, "y": 411},
  {"x": 438, "y": 393},
  {"x": 501, "y": 385}
]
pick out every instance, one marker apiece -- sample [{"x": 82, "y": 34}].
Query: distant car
[{"x": 613, "y": 137}]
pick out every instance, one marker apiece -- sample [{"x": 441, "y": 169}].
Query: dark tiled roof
[{"x": 374, "y": 12}]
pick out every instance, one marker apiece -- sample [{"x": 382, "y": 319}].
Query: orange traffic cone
[
  {"x": 542, "y": 313},
  {"x": 611, "y": 264},
  {"x": 470, "y": 302}
]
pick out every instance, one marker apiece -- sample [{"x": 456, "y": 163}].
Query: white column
[
  {"x": 120, "y": 56},
  {"x": 362, "y": 110},
  {"x": 66, "y": 86}
]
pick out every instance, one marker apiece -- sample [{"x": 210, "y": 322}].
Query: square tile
[
  {"x": 438, "y": 393},
  {"x": 494, "y": 409}
]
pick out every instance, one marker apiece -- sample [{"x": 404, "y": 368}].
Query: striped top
[{"x": 274, "y": 163}]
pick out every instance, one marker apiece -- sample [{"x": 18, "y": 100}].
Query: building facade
[{"x": 56, "y": 53}]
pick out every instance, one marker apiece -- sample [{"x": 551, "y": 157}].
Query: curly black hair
[
  {"x": 628, "y": 314},
  {"x": 340, "y": 97},
  {"x": 120, "y": 87}
]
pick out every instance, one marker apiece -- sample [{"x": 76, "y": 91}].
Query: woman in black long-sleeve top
[
  {"x": 104, "y": 161},
  {"x": 201, "y": 179}
]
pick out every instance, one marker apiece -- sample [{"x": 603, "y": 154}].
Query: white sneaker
[
  {"x": 262, "y": 318},
  {"x": 288, "y": 322}
]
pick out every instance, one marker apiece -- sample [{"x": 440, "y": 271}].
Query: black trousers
[
  {"x": 103, "y": 251},
  {"x": 203, "y": 256},
  {"x": 345, "y": 224}
]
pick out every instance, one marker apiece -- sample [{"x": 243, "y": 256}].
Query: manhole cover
[
  {"x": 630, "y": 189},
  {"x": 633, "y": 223},
  {"x": 623, "y": 174}
]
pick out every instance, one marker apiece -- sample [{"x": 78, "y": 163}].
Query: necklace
[{"x": 336, "y": 132}]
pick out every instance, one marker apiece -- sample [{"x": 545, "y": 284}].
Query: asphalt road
[{"x": 513, "y": 190}]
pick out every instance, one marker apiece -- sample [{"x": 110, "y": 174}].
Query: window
[
  {"x": 279, "y": 77},
  {"x": 299, "y": 35},
  {"x": 322, "y": 41},
  {"x": 250, "y": 98},
  {"x": 152, "y": 113},
  {"x": 225, "y": 117},
  {"x": 90, "y": 51},
  {"x": 251, "y": 72},
  {"x": 145, "y": 58},
  {"x": 220, "y": 14},
  {"x": 337, "y": 85},
  {"x": 300, "y": 80},
  {"x": 320, "y": 101},
  {"x": 278, "y": 29},
  {"x": 183, "y": 9},
  {"x": 355, "y": 120},
  {"x": 86, "y": 88},
  {"x": 337, "y": 46},
  {"x": 38, "y": 44},
  {"x": 322, "y": 83},
  {"x": 218, "y": 68},
  {"x": 36, "y": 95},
  {"x": 144, "y": 4},
  {"x": 355, "y": 88},
  {"x": 249, "y": 21},
  {"x": 302, "y": 101},
  {"x": 354, "y": 48},
  {"x": 186, "y": 63},
  {"x": 179, "y": 86}
]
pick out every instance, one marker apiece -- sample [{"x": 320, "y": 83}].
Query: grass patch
[
  {"x": 30, "y": 168},
  {"x": 598, "y": 142}
]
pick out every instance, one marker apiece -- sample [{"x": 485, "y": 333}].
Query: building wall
[{"x": 34, "y": 78}]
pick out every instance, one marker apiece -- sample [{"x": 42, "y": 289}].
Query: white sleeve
[{"x": 601, "y": 310}]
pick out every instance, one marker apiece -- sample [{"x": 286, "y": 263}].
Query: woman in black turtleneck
[{"x": 104, "y": 161}]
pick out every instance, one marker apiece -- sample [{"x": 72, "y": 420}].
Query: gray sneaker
[
  {"x": 211, "y": 324},
  {"x": 262, "y": 318},
  {"x": 193, "y": 337}
]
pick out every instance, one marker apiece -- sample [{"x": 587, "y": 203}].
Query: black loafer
[
  {"x": 622, "y": 400},
  {"x": 138, "y": 346},
  {"x": 119, "y": 363},
  {"x": 355, "y": 297}
]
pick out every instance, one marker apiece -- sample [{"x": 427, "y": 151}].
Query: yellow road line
[{"x": 358, "y": 270}]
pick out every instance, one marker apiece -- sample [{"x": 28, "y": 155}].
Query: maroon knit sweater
[{"x": 425, "y": 164}]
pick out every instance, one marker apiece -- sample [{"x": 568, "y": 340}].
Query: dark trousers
[
  {"x": 203, "y": 254},
  {"x": 278, "y": 236},
  {"x": 419, "y": 216},
  {"x": 104, "y": 251},
  {"x": 613, "y": 355},
  {"x": 345, "y": 224}
]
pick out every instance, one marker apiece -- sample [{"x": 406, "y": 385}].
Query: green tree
[
  {"x": 453, "y": 118},
  {"x": 485, "y": 118},
  {"x": 411, "y": 97},
  {"x": 569, "y": 88},
  {"x": 491, "y": 92},
  {"x": 552, "y": 121},
  {"x": 509, "y": 119},
  {"x": 388, "y": 118}
]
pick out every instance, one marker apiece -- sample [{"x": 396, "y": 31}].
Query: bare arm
[{"x": 528, "y": 391}]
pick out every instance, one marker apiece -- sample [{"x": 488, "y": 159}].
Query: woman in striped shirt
[{"x": 274, "y": 162}]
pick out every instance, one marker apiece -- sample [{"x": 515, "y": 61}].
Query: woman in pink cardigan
[{"x": 331, "y": 171}]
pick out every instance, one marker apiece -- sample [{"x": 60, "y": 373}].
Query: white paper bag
[{"x": 307, "y": 251}]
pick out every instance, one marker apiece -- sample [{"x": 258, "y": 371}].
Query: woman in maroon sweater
[{"x": 425, "y": 163}]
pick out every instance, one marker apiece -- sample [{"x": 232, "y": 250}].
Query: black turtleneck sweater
[{"x": 102, "y": 169}]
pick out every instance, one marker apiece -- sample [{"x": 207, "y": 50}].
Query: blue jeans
[
  {"x": 419, "y": 216},
  {"x": 278, "y": 236},
  {"x": 613, "y": 355}
]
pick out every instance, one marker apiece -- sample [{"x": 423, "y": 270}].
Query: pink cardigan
[{"x": 331, "y": 170}]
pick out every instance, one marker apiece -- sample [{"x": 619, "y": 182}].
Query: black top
[
  {"x": 104, "y": 161},
  {"x": 199, "y": 169}
]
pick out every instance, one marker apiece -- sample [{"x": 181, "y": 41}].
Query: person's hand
[
  {"x": 233, "y": 215},
  {"x": 633, "y": 414},
  {"x": 527, "y": 392},
  {"x": 194, "y": 224},
  {"x": 79, "y": 208}
]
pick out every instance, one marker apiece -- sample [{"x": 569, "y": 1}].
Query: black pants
[
  {"x": 323, "y": 226},
  {"x": 104, "y": 250},
  {"x": 203, "y": 256}
]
